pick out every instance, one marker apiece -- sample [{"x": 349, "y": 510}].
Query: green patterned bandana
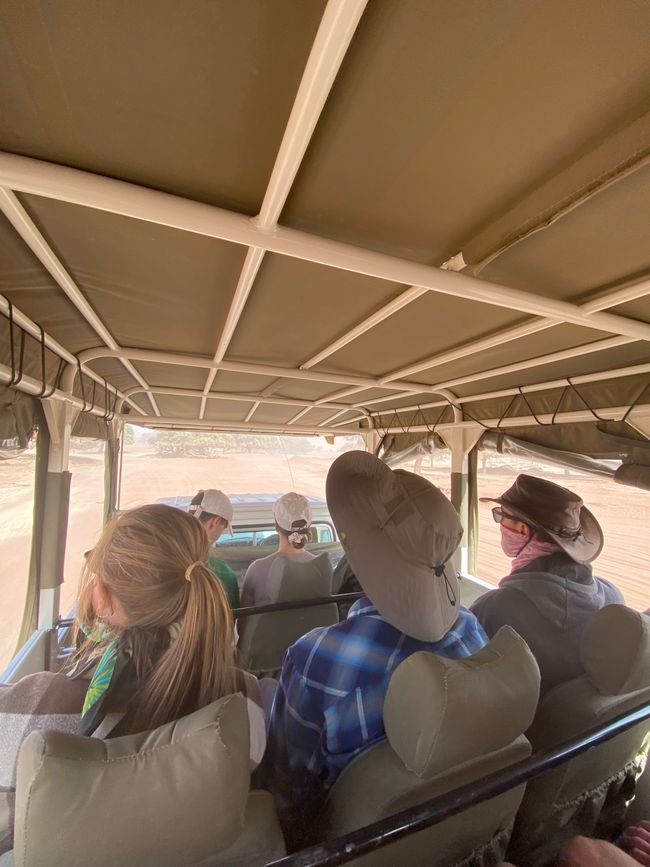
[{"x": 103, "y": 675}]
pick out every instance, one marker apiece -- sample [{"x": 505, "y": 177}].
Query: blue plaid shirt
[{"x": 329, "y": 702}]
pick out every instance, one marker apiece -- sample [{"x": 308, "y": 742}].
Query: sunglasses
[{"x": 498, "y": 514}]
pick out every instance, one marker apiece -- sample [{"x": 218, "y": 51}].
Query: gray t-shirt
[{"x": 255, "y": 589}]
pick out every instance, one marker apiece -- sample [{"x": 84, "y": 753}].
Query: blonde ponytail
[
  {"x": 154, "y": 561},
  {"x": 199, "y": 665}
]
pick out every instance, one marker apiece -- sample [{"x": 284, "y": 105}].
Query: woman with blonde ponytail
[
  {"x": 156, "y": 638},
  {"x": 154, "y": 615}
]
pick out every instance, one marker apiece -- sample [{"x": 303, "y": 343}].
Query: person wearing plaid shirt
[{"x": 328, "y": 706}]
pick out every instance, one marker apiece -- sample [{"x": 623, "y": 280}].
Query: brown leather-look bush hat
[
  {"x": 556, "y": 510},
  {"x": 398, "y": 531}
]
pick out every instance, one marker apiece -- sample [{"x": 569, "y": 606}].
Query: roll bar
[
  {"x": 264, "y": 609},
  {"x": 414, "y": 819}
]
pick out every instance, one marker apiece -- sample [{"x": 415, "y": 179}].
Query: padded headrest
[
  {"x": 176, "y": 795},
  {"x": 301, "y": 579},
  {"x": 615, "y": 650},
  {"x": 439, "y": 712}
]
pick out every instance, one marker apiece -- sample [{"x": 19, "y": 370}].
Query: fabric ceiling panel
[
  {"x": 296, "y": 308},
  {"x": 177, "y": 286},
  {"x": 374, "y": 393},
  {"x": 142, "y": 401},
  {"x": 554, "y": 339},
  {"x": 241, "y": 383},
  {"x": 173, "y": 376},
  {"x": 275, "y": 414},
  {"x": 315, "y": 416},
  {"x": 431, "y": 324},
  {"x": 639, "y": 309},
  {"x": 622, "y": 356},
  {"x": 178, "y": 407},
  {"x": 444, "y": 114},
  {"x": 395, "y": 400},
  {"x": 28, "y": 285},
  {"x": 191, "y": 98},
  {"x": 303, "y": 390},
  {"x": 602, "y": 242},
  {"x": 114, "y": 371},
  {"x": 225, "y": 410}
]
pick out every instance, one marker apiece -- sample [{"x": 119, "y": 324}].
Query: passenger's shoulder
[
  {"x": 309, "y": 644},
  {"x": 217, "y": 564},
  {"x": 256, "y": 565},
  {"x": 497, "y": 604},
  {"x": 612, "y": 591},
  {"x": 485, "y": 601}
]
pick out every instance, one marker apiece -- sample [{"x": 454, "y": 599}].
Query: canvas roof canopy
[{"x": 328, "y": 217}]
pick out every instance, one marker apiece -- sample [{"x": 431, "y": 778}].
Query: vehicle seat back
[
  {"x": 448, "y": 722},
  {"x": 178, "y": 795},
  {"x": 589, "y": 794},
  {"x": 264, "y": 638}
]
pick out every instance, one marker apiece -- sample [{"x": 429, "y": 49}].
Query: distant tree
[{"x": 129, "y": 435}]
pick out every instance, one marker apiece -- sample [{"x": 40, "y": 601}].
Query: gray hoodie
[{"x": 548, "y": 603}]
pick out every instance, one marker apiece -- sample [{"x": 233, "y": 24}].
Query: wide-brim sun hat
[
  {"x": 398, "y": 532},
  {"x": 557, "y": 511}
]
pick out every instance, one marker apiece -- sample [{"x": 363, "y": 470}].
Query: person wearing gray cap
[
  {"x": 551, "y": 590},
  {"x": 398, "y": 532},
  {"x": 214, "y": 510},
  {"x": 292, "y": 514}
]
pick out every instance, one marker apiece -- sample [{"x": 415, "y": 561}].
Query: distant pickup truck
[{"x": 254, "y": 534}]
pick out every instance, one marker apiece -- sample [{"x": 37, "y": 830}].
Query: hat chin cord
[{"x": 441, "y": 572}]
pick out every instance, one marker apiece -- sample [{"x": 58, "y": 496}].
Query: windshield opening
[{"x": 174, "y": 465}]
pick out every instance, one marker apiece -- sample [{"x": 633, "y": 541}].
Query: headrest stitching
[{"x": 445, "y": 676}]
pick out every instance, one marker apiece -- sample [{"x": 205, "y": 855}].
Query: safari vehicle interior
[{"x": 423, "y": 223}]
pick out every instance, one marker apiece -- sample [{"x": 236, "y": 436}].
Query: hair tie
[{"x": 190, "y": 569}]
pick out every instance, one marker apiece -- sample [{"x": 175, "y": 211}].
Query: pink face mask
[
  {"x": 512, "y": 542},
  {"x": 524, "y": 549}
]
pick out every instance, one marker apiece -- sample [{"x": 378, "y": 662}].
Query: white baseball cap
[
  {"x": 213, "y": 502},
  {"x": 292, "y": 511}
]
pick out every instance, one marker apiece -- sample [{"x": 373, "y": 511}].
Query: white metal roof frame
[{"x": 262, "y": 234}]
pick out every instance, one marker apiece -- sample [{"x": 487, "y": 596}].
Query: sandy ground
[{"x": 146, "y": 476}]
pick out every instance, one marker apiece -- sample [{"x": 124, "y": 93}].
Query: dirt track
[{"x": 146, "y": 476}]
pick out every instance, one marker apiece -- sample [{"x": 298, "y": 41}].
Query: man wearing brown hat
[
  {"x": 551, "y": 591},
  {"x": 398, "y": 532}
]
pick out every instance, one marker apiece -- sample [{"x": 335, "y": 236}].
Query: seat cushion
[
  {"x": 261, "y": 840},
  {"x": 173, "y": 796},
  {"x": 432, "y": 704},
  {"x": 615, "y": 650}
]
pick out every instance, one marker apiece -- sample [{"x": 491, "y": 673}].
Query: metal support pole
[
  {"x": 371, "y": 441},
  {"x": 60, "y": 416},
  {"x": 112, "y": 462},
  {"x": 461, "y": 440}
]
